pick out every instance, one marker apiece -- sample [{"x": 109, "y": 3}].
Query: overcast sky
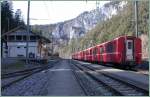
[{"x": 48, "y": 12}]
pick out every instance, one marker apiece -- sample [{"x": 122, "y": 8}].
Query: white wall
[
  {"x": 4, "y": 50},
  {"x": 13, "y": 51}
]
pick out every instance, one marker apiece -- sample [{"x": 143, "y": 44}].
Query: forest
[{"x": 119, "y": 25}]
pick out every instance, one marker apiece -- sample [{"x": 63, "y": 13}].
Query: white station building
[{"x": 15, "y": 44}]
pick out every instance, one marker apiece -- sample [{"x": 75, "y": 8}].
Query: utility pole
[
  {"x": 136, "y": 18},
  {"x": 52, "y": 42},
  {"x": 97, "y": 4},
  {"x": 28, "y": 29},
  {"x": 149, "y": 40},
  {"x": 8, "y": 23}
]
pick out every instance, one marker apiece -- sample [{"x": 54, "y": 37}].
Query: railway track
[
  {"x": 92, "y": 86},
  {"x": 110, "y": 84},
  {"x": 22, "y": 72},
  {"x": 20, "y": 75},
  {"x": 79, "y": 82}
]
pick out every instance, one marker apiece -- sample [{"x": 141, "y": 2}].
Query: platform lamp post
[{"x": 28, "y": 29}]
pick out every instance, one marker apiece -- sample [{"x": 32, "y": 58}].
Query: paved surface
[
  {"x": 58, "y": 80},
  {"x": 62, "y": 81},
  {"x": 135, "y": 78}
]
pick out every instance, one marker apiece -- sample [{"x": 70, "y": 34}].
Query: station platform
[
  {"x": 62, "y": 81},
  {"x": 132, "y": 77}
]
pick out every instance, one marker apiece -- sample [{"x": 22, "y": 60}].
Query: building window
[
  {"x": 32, "y": 38},
  {"x": 24, "y": 38},
  {"x": 19, "y": 55},
  {"x": 5, "y": 37},
  {"x": 6, "y": 47},
  {"x": 11, "y": 38},
  {"x": 6, "y": 51},
  {"x": 19, "y": 37}
]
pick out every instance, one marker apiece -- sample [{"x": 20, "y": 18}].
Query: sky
[{"x": 50, "y": 12}]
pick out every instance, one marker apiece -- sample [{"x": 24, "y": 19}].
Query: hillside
[
  {"x": 120, "y": 24},
  {"x": 64, "y": 31}
]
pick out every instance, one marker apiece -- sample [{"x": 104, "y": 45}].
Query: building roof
[{"x": 23, "y": 28}]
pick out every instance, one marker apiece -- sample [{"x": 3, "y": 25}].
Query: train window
[
  {"x": 90, "y": 52},
  {"x": 87, "y": 53},
  {"x": 129, "y": 45},
  {"x": 101, "y": 50},
  {"x": 95, "y": 51},
  {"x": 109, "y": 47}
]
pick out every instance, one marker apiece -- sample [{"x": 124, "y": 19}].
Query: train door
[
  {"x": 129, "y": 49},
  {"x": 101, "y": 54},
  {"x": 94, "y": 57}
]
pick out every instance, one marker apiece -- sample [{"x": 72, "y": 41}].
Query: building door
[{"x": 12, "y": 51}]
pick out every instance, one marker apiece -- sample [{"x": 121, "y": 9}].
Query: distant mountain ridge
[{"x": 63, "y": 32}]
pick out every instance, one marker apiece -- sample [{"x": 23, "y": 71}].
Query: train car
[
  {"x": 94, "y": 53},
  {"x": 73, "y": 56},
  {"x": 123, "y": 51},
  {"x": 84, "y": 55},
  {"x": 77, "y": 55},
  {"x": 89, "y": 54},
  {"x": 80, "y": 55}
]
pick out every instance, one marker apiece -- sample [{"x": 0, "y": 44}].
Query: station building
[{"x": 14, "y": 44}]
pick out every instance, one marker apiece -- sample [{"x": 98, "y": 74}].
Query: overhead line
[{"x": 46, "y": 7}]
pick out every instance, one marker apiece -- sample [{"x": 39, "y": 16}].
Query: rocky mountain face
[{"x": 64, "y": 31}]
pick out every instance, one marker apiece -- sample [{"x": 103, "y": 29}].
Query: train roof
[
  {"x": 106, "y": 42},
  {"x": 116, "y": 39}
]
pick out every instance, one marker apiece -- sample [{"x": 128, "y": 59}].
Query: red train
[{"x": 123, "y": 51}]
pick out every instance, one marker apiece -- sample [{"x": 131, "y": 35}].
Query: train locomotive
[{"x": 124, "y": 51}]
